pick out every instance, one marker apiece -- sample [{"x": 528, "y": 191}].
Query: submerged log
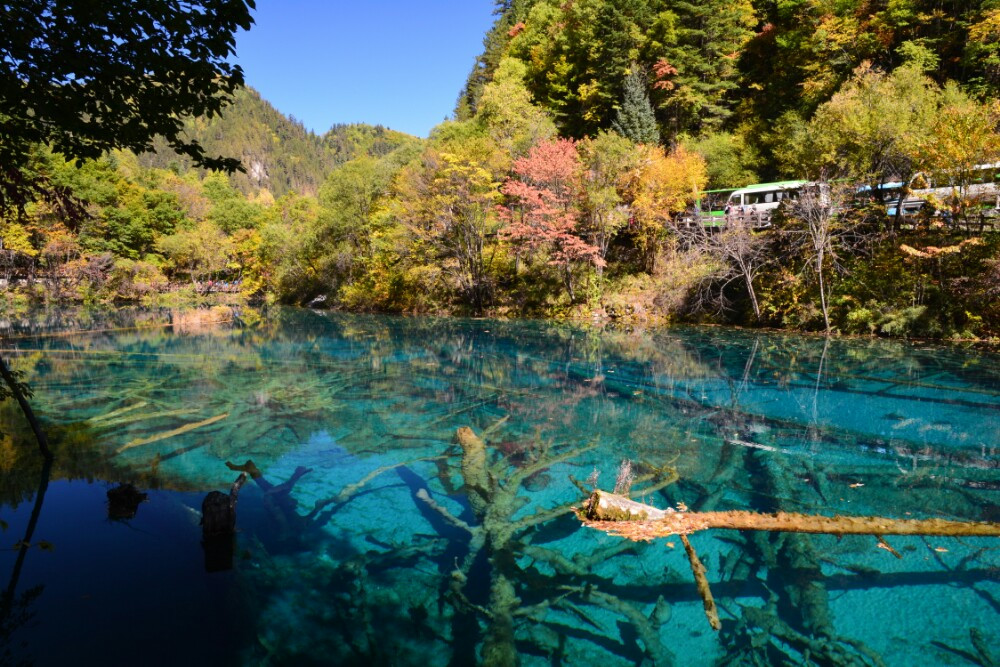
[
  {"x": 618, "y": 515},
  {"x": 138, "y": 442},
  {"x": 701, "y": 581}
]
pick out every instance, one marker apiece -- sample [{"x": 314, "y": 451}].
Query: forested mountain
[
  {"x": 278, "y": 153},
  {"x": 348, "y": 141}
]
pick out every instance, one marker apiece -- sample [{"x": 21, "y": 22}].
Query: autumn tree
[
  {"x": 661, "y": 186},
  {"x": 543, "y": 214},
  {"x": 578, "y": 55},
  {"x": 693, "y": 48},
  {"x": 509, "y": 23},
  {"x": 983, "y": 50},
  {"x": 729, "y": 157},
  {"x": 350, "y": 195},
  {"x": 295, "y": 251},
  {"x": 201, "y": 252},
  {"x": 868, "y": 131},
  {"x": 449, "y": 207},
  {"x": 506, "y": 113},
  {"x": 962, "y": 137},
  {"x": 608, "y": 161}
]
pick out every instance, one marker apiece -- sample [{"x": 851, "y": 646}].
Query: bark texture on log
[{"x": 618, "y": 515}]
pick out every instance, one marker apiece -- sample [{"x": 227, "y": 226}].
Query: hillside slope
[{"x": 277, "y": 151}]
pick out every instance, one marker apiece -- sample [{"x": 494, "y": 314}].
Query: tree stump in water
[{"x": 218, "y": 527}]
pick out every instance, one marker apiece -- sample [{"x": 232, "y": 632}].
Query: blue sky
[{"x": 396, "y": 63}]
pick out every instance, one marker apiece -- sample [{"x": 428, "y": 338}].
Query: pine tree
[{"x": 635, "y": 119}]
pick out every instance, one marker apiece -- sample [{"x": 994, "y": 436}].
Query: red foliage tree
[{"x": 543, "y": 213}]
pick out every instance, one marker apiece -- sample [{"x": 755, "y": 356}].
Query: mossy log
[
  {"x": 617, "y": 515},
  {"x": 474, "y": 468}
]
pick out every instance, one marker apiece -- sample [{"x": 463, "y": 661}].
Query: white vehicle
[
  {"x": 979, "y": 186},
  {"x": 764, "y": 196}
]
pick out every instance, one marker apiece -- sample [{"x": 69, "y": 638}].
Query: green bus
[{"x": 710, "y": 206}]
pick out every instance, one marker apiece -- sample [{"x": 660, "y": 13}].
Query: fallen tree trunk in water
[{"x": 618, "y": 515}]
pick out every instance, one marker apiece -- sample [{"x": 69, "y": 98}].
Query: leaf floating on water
[{"x": 169, "y": 434}]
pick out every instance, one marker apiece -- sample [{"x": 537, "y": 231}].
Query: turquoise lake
[{"x": 371, "y": 537}]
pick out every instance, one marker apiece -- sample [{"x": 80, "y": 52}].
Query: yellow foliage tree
[
  {"x": 962, "y": 139},
  {"x": 15, "y": 237},
  {"x": 661, "y": 186}
]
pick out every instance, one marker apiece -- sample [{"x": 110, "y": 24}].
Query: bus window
[{"x": 760, "y": 197}]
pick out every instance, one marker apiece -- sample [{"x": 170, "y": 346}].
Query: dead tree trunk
[{"x": 618, "y": 515}]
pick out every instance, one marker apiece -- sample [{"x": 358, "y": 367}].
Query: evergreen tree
[
  {"x": 634, "y": 118},
  {"x": 696, "y": 78},
  {"x": 510, "y": 16}
]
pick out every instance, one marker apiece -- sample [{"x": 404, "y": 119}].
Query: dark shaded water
[{"x": 440, "y": 560}]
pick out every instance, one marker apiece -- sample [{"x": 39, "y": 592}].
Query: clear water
[{"x": 324, "y": 571}]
